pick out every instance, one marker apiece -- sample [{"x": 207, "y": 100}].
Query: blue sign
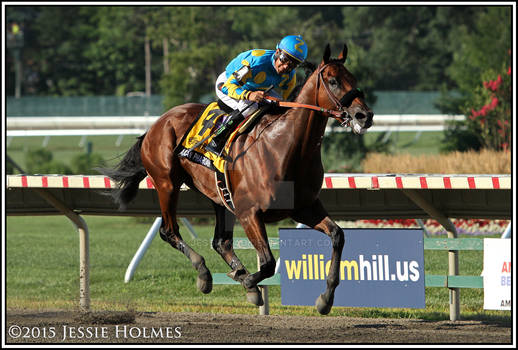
[{"x": 378, "y": 267}]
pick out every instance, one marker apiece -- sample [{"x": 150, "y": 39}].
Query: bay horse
[{"x": 276, "y": 173}]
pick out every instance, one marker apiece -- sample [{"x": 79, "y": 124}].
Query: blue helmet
[{"x": 294, "y": 46}]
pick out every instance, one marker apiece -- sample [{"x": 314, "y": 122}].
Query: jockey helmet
[{"x": 294, "y": 46}]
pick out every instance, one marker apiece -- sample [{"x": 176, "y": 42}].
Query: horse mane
[{"x": 308, "y": 68}]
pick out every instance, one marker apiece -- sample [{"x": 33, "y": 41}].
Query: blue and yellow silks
[{"x": 262, "y": 74}]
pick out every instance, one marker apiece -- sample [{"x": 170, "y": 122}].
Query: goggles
[{"x": 285, "y": 58}]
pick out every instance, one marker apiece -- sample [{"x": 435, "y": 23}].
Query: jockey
[{"x": 241, "y": 86}]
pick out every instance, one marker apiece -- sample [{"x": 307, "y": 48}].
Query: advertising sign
[
  {"x": 378, "y": 267},
  {"x": 497, "y": 274}
]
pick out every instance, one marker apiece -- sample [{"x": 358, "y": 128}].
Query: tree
[
  {"x": 117, "y": 55},
  {"x": 200, "y": 39},
  {"x": 483, "y": 55},
  {"x": 60, "y": 36},
  {"x": 405, "y": 47}
]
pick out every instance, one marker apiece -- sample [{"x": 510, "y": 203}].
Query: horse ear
[
  {"x": 327, "y": 54},
  {"x": 343, "y": 54}
]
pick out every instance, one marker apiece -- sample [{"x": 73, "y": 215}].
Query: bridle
[
  {"x": 344, "y": 118},
  {"x": 340, "y": 113}
]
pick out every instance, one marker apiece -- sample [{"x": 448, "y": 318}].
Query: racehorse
[{"x": 276, "y": 173}]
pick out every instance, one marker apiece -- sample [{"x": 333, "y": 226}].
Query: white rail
[{"x": 132, "y": 125}]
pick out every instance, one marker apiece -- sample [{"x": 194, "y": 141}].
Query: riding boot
[{"x": 218, "y": 142}]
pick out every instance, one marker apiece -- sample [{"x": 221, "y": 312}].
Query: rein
[
  {"x": 338, "y": 115},
  {"x": 341, "y": 114}
]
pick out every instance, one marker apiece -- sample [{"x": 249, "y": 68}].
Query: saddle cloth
[{"x": 203, "y": 129}]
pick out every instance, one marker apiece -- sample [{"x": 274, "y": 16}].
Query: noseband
[{"x": 344, "y": 102}]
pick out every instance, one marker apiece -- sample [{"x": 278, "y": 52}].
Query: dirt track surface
[{"x": 180, "y": 328}]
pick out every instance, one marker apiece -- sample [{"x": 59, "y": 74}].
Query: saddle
[{"x": 200, "y": 134}]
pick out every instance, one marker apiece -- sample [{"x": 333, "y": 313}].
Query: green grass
[
  {"x": 411, "y": 142},
  {"x": 42, "y": 272},
  {"x": 64, "y": 148}
]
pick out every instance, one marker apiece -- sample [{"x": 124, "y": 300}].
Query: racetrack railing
[{"x": 447, "y": 281}]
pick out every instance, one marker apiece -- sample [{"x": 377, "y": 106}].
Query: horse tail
[{"x": 127, "y": 174}]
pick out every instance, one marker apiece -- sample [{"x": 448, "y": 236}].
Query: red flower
[
  {"x": 498, "y": 82},
  {"x": 493, "y": 85},
  {"x": 474, "y": 114}
]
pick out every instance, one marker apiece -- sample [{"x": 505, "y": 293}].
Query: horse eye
[{"x": 333, "y": 82}]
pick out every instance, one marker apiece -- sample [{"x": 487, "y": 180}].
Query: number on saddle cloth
[{"x": 201, "y": 132}]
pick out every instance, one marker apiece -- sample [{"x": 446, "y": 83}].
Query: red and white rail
[
  {"x": 331, "y": 181},
  {"x": 416, "y": 181},
  {"x": 485, "y": 196}
]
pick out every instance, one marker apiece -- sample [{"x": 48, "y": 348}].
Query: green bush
[
  {"x": 489, "y": 114},
  {"x": 459, "y": 138},
  {"x": 84, "y": 163},
  {"x": 9, "y": 168},
  {"x": 488, "y": 121},
  {"x": 39, "y": 161},
  {"x": 345, "y": 151}
]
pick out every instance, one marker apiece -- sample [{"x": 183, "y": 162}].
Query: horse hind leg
[
  {"x": 170, "y": 232},
  {"x": 317, "y": 218},
  {"x": 204, "y": 280},
  {"x": 223, "y": 244},
  {"x": 164, "y": 168}
]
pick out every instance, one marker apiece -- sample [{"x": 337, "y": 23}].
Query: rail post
[
  {"x": 265, "y": 308},
  {"x": 453, "y": 255},
  {"x": 142, "y": 249},
  {"x": 84, "y": 244}
]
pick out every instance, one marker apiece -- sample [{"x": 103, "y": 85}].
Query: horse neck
[{"x": 309, "y": 125}]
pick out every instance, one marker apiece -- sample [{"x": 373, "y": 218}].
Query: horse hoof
[
  {"x": 204, "y": 284},
  {"x": 255, "y": 298},
  {"x": 323, "y": 307}
]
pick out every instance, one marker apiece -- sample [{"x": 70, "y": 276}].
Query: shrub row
[{"x": 471, "y": 162}]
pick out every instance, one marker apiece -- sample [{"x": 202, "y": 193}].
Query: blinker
[{"x": 349, "y": 97}]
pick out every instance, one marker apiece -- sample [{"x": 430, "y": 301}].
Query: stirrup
[
  {"x": 214, "y": 147},
  {"x": 217, "y": 144},
  {"x": 218, "y": 148}
]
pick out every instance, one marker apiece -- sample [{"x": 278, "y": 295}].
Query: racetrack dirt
[{"x": 25, "y": 326}]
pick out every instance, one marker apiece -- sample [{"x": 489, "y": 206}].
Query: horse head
[{"x": 337, "y": 89}]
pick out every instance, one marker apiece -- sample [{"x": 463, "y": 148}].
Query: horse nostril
[
  {"x": 370, "y": 116},
  {"x": 365, "y": 119}
]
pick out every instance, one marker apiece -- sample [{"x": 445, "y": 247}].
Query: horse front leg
[
  {"x": 256, "y": 232},
  {"x": 223, "y": 242},
  {"x": 317, "y": 218}
]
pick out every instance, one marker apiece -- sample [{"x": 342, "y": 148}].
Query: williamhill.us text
[{"x": 378, "y": 268}]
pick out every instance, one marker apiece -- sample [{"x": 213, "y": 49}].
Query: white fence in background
[{"x": 95, "y": 125}]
